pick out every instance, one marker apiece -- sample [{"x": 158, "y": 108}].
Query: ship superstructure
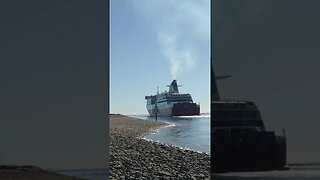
[
  {"x": 240, "y": 140},
  {"x": 172, "y": 103}
]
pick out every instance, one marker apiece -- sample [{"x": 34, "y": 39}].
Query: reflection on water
[{"x": 191, "y": 132}]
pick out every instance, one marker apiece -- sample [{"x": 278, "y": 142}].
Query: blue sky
[{"x": 154, "y": 42}]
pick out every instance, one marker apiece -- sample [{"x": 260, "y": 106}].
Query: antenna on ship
[{"x": 157, "y": 90}]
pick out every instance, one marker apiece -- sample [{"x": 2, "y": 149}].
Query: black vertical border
[{"x": 108, "y": 91}]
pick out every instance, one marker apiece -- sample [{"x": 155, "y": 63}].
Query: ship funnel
[
  {"x": 173, "y": 87},
  {"x": 215, "y": 96},
  {"x": 214, "y": 91}
]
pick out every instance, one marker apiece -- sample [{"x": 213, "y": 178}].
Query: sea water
[
  {"x": 296, "y": 172},
  {"x": 189, "y": 132}
]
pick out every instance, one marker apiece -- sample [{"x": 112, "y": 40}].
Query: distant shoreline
[
  {"x": 15, "y": 172},
  {"x": 132, "y": 157}
]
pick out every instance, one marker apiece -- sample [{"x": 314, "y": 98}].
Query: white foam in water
[
  {"x": 169, "y": 125},
  {"x": 157, "y": 130},
  {"x": 187, "y": 133},
  {"x": 169, "y": 145},
  {"x": 194, "y": 117}
]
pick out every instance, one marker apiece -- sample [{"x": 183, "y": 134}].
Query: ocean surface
[
  {"x": 189, "y": 132},
  {"x": 297, "y": 171}
]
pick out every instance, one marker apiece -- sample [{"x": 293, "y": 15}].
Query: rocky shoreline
[{"x": 136, "y": 158}]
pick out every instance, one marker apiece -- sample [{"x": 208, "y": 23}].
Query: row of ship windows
[
  {"x": 241, "y": 106},
  {"x": 153, "y": 102},
  {"x": 238, "y": 123},
  {"x": 237, "y": 114},
  {"x": 174, "y": 100},
  {"x": 170, "y": 98}
]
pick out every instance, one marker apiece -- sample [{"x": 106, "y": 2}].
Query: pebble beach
[{"x": 132, "y": 157}]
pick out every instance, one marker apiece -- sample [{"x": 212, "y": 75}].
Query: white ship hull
[
  {"x": 163, "y": 109},
  {"x": 175, "y": 109}
]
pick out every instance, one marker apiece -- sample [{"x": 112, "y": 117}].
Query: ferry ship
[
  {"x": 172, "y": 103},
  {"x": 240, "y": 140}
]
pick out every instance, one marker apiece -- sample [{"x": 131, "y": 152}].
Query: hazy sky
[
  {"x": 272, "y": 50},
  {"x": 154, "y": 42}
]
